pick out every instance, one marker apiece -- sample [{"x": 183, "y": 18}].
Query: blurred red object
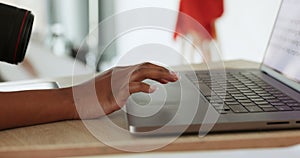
[{"x": 203, "y": 11}]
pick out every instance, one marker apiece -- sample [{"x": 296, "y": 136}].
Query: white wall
[
  {"x": 245, "y": 28},
  {"x": 133, "y": 43},
  {"x": 243, "y": 31}
]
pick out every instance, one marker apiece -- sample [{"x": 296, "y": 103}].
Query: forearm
[{"x": 35, "y": 107}]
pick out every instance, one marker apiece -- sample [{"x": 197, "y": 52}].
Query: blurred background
[{"x": 61, "y": 26}]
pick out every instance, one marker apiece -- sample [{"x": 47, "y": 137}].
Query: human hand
[{"x": 114, "y": 86}]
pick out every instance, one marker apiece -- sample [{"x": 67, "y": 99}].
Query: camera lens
[{"x": 15, "y": 31}]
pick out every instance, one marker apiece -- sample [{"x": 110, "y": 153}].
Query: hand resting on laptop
[{"x": 112, "y": 87}]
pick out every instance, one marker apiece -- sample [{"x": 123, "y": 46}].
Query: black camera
[{"x": 15, "y": 30}]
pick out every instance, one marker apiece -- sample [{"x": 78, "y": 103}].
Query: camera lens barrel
[{"x": 15, "y": 31}]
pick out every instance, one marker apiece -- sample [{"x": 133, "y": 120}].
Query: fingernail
[
  {"x": 165, "y": 81},
  {"x": 153, "y": 88},
  {"x": 172, "y": 72},
  {"x": 176, "y": 75}
]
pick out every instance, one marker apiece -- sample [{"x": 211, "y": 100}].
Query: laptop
[{"x": 264, "y": 99}]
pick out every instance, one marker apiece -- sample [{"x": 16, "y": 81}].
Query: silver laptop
[{"x": 267, "y": 98}]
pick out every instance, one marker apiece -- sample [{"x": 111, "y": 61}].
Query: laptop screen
[{"x": 282, "y": 58}]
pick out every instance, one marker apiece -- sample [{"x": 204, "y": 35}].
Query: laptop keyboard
[{"x": 245, "y": 93}]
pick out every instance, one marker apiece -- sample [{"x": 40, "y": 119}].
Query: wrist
[{"x": 66, "y": 96}]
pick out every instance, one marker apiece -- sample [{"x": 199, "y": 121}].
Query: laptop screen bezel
[{"x": 272, "y": 72}]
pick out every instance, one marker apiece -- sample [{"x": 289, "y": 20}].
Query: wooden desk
[{"x": 71, "y": 138}]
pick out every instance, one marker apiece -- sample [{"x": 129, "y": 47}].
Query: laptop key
[
  {"x": 237, "y": 86},
  {"x": 284, "y": 97},
  {"x": 257, "y": 99},
  {"x": 241, "y": 98},
  {"x": 245, "y": 101},
  {"x": 269, "y": 109},
  {"x": 284, "y": 108},
  {"x": 273, "y": 100},
  {"x": 239, "y": 94},
  {"x": 265, "y": 106},
  {"x": 260, "y": 102},
  {"x": 278, "y": 104},
  {"x": 243, "y": 89},
  {"x": 297, "y": 108},
  {"x": 253, "y": 87},
  {"x": 254, "y": 109},
  {"x": 226, "y": 108},
  {"x": 289, "y": 101},
  {"x": 249, "y": 104},
  {"x": 217, "y": 101},
  {"x": 222, "y": 107},
  {"x": 229, "y": 100},
  {"x": 232, "y": 103},
  {"x": 268, "y": 97},
  {"x": 250, "y": 84},
  {"x": 253, "y": 96},
  {"x": 275, "y": 92},
  {"x": 248, "y": 94},
  {"x": 257, "y": 90},
  {"x": 265, "y": 95},
  {"x": 260, "y": 91},
  {"x": 293, "y": 104},
  {"x": 238, "y": 109}
]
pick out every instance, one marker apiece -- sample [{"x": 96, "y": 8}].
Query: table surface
[{"x": 70, "y": 138}]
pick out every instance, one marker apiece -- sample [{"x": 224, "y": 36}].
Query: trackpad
[{"x": 174, "y": 103}]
